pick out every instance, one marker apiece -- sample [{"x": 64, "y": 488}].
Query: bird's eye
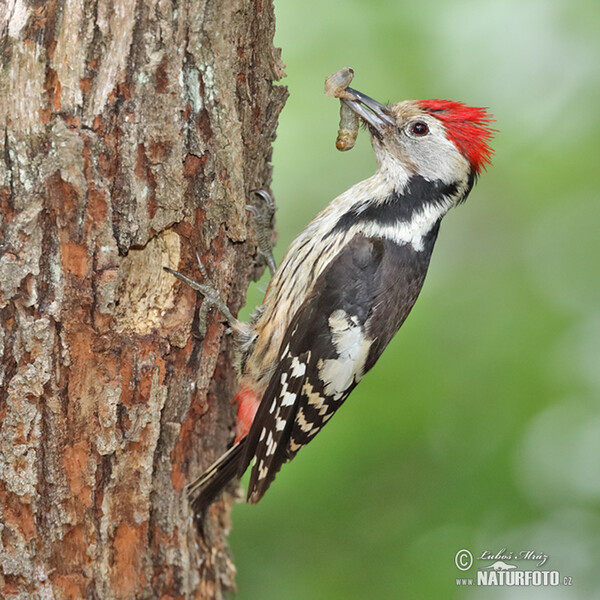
[{"x": 419, "y": 128}]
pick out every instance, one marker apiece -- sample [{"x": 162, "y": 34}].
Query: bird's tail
[{"x": 207, "y": 487}]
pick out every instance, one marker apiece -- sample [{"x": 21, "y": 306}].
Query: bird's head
[{"x": 440, "y": 140}]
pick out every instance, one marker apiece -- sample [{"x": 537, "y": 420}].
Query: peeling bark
[{"x": 132, "y": 134}]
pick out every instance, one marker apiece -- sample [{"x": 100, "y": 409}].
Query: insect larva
[
  {"x": 348, "y": 129},
  {"x": 335, "y": 86}
]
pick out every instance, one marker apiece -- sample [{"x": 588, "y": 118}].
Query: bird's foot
[
  {"x": 262, "y": 217},
  {"x": 212, "y": 297}
]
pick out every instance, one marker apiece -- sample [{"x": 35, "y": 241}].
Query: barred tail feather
[{"x": 208, "y": 486}]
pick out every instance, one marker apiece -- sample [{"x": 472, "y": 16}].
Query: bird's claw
[
  {"x": 212, "y": 297},
  {"x": 263, "y": 217}
]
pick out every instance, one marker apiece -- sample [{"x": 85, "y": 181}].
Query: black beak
[{"x": 374, "y": 113}]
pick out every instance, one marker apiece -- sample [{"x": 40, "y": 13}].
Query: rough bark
[{"x": 132, "y": 134}]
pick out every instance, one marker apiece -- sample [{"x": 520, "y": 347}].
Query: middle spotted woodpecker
[{"x": 346, "y": 284}]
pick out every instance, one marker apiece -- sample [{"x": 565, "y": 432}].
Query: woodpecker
[{"x": 346, "y": 284}]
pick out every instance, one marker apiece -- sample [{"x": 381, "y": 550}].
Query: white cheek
[{"x": 437, "y": 158}]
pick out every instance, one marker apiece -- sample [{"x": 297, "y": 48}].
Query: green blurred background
[{"x": 480, "y": 426}]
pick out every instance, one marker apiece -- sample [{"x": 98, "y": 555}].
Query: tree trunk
[{"x": 132, "y": 135}]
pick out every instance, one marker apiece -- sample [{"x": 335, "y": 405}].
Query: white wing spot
[
  {"x": 279, "y": 426},
  {"x": 298, "y": 368},
  {"x": 338, "y": 374},
  {"x": 288, "y": 399},
  {"x": 262, "y": 434},
  {"x": 262, "y": 470}
]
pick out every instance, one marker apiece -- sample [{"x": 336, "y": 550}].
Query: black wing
[{"x": 356, "y": 306}]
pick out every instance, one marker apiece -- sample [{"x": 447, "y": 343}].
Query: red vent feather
[{"x": 467, "y": 126}]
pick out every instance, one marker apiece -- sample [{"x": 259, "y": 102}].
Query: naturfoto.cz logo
[{"x": 499, "y": 572}]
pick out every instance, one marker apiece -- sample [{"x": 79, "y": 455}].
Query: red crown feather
[{"x": 467, "y": 126}]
